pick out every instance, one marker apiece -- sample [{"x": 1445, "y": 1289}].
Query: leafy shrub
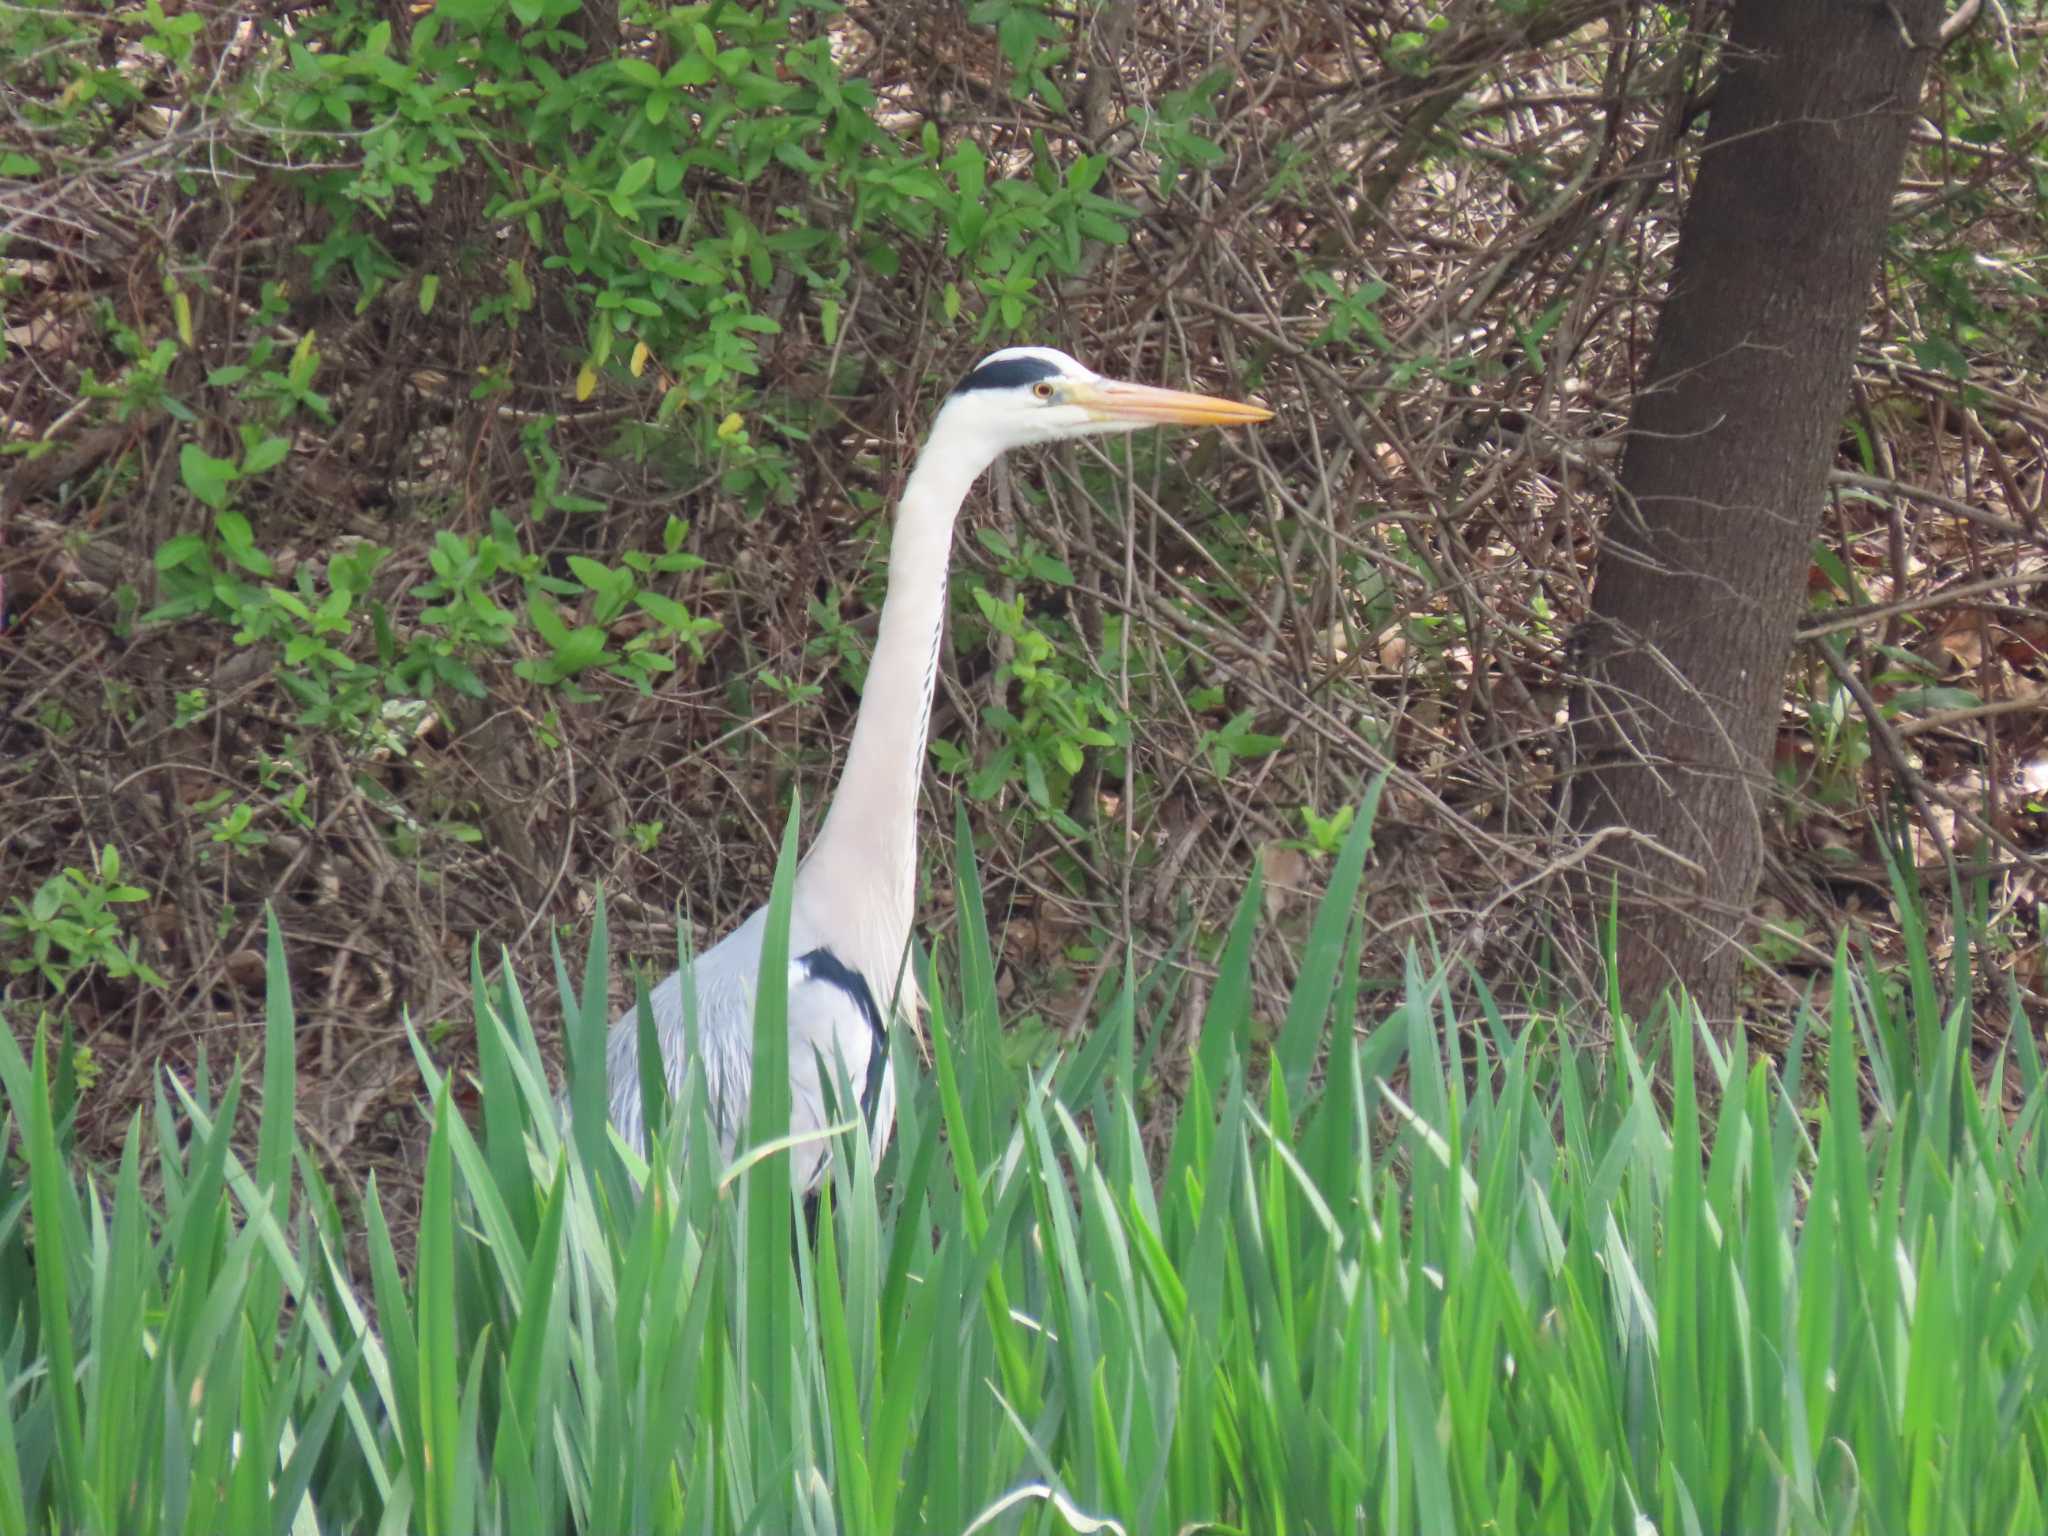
[
  {"x": 70, "y": 929},
  {"x": 676, "y": 186}
]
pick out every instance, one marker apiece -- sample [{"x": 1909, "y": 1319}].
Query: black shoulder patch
[
  {"x": 1008, "y": 373},
  {"x": 823, "y": 965}
]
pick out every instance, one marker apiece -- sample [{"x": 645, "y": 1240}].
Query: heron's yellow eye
[{"x": 1043, "y": 389}]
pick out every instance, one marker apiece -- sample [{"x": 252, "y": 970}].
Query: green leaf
[
  {"x": 1253, "y": 744},
  {"x": 440, "y": 1354},
  {"x": 548, "y": 622},
  {"x": 671, "y": 614},
  {"x": 239, "y": 540},
  {"x": 1048, "y": 569},
  {"x": 205, "y": 476},
  {"x": 635, "y": 177},
  {"x": 175, "y": 551},
  {"x": 772, "y": 1313},
  {"x": 265, "y": 455},
  {"x": 594, "y": 574},
  {"x": 1942, "y": 355},
  {"x": 580, "y": 649}
]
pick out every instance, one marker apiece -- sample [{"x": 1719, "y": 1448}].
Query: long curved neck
[{"x": 865, "y": 855}]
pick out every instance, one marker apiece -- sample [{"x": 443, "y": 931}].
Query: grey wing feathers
[
  {"x": 834, "y": 1029},
  {"x": 723, "y": 979}
]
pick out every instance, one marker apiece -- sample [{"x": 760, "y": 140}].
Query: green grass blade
[
  {"x": 14, "y": 1519},
  {"x": 978, "y": 1066},
  {"x": 1308, "y": 1009},
  {"x": 504, "y": 1107},
  {"x": 654, "y": 1096},
  {"x": 770, "y": 1306},
  {"x": 854, "y": 1496},
  {"x": 440, "y": 1416},
  {"x": 1227, "y": 1020},
  {"x": 314, "y": 1429},
  {"x": 589, "y": 1026},
  {"x": 59, "y": 1234},
  {"x": 276, "y": 1135}
]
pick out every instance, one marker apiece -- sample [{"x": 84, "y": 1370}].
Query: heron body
[{"x": 851, "y": 908}]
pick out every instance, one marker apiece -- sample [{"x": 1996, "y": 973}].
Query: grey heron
[{"x": 850, "y": 916}]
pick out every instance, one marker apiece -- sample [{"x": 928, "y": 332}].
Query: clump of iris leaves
[{"x": 1414, "y": 1273}]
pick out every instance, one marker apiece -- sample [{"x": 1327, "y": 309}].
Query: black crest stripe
[
  {"x": 823, "y": 965},
  {"x": 1008, "y": 373}
]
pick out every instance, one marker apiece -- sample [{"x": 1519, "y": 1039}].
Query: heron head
[{"x": 1025, "y": 395}]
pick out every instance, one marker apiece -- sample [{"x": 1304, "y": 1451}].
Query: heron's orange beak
[{"x": 1144, "y": 406}]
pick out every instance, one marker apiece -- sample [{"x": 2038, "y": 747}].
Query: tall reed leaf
[
  {"x": 1469, "y": 1276},
  {"x": 1308, "y": 1009},
  {"x": 768, "y": 1298}
]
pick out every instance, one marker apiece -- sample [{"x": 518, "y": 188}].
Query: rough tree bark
[{"x": 1704, "y": 567}]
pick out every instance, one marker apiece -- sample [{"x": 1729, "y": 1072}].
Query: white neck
[{"x": 859, "y": 883}]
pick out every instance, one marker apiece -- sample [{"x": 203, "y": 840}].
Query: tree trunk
[{"x": 1704, "y": 566}]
